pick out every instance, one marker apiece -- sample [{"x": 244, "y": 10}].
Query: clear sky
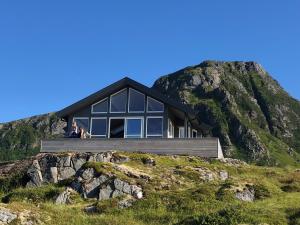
[{"x": 53, "y": 53}]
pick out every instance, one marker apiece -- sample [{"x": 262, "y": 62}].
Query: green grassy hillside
[{"x": 176, "y": 191}]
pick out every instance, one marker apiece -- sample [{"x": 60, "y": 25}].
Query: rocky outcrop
[
  {"x": 6, "y": 216},
  {"x": 53, "y": 168},
  {"x": 240, "y": 103},
  {"x": 246, "y": 195},
  {"x": 64, "y": 197}
]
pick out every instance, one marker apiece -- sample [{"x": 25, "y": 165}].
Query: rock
[
  {"x": 232, "y": 162},
  {"x": 6, "y": 216},
  {"x": 136, "y": 192},
  {"x": 247, "y": 194},
  {"x": 208, "y": 176},
  {"x": 118, "y": 158},
  {"x": 149, "y": 161},
  {"x": 64, "y": 197},
  {"x": 103, "y": 157},
  {"x": 116, "y": 193},
  {"x": 54, "y": 175},
  {"x": 78, "y": 162},
  {"x": 223, "y": 175},
  {"x": 126, "y": 188},
  {"x": 65, "y": 161},
  {"x": 91, "y": 189},
  {"x": 126, "y": 203},
  {"x": 118, "y": 184},
  {"x": 65, "y": 173},
  {"x": 105, "y": 192},
  {"x": 35, "y": 175},
  {"x": 90, "y": 209},
  {"x": 88, "y": 173}
]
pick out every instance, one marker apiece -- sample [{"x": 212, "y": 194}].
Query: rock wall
[{"x": 54, "y": 168}]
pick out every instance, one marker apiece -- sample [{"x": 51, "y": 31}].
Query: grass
[{"x": 187, "y": 200}]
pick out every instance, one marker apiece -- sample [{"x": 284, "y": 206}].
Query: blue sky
[{"x": 53, "y": 53}]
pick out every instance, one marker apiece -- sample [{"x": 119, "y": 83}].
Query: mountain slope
[{"x": 253, "y": 116}]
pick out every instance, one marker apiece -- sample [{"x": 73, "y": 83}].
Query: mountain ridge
[{"x": 239, "y": 102}]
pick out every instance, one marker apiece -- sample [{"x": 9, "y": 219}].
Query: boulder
[
  {"x": 64, "y": 197},
  {"x": 88, "y": 173},
  {"x": 90, "y": 209},
  {"x": 78, "y": 162},
  {"x": 105, "y": 192},
  {"x": 149, "y": 161},
  {"x": 223, "y": 175},
  {"x": 35, "y": 175},
  {"x": 247, "y": 194},
  {"x": 126, "y": 203},
  {"x": 136, "y": 192},
  {"x": 6, "y": 216},
  {"x": 65, "y": 173},
  {"x": 53, "y": 175},
  {"x": 91, "y": 189}
]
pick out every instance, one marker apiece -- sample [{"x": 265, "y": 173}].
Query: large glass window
[
  {"x": 118, "y": 101},
  {"x": 136, "y": 101},
  {"x": 154, "y": 126},
  {"x": 154, "y": 105},
  {"x": 100, "y": 107},
  {"x": 82, "y": 122},
  {"x": 134, "y": 128},
  {"x": 98, "y": 127}
]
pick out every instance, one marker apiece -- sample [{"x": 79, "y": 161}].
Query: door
[{"x": 116, "y": 127}]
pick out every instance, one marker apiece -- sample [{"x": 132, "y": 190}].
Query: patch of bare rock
[
  {"x": 53, "y": 168},
  {"x": 24, "y": 217}
]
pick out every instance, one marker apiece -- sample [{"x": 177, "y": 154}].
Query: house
[
  {"x": 127, "y": 115},
  {"x": 128, "y": 109}
]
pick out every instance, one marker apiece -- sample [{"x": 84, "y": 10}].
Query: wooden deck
[{"x": 204, "y": 147}]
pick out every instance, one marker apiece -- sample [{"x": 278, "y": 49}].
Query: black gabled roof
[{"x": 105, "y": 92}]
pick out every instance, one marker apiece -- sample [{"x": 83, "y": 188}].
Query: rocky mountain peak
[{"x": 242, "y": 103}]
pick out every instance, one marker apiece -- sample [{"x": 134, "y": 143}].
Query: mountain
[
  {"x": 255, "y": 118},
  {"x": 239, "y": 102}
]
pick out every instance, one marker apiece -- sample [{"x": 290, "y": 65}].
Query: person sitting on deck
[
  {"x": 82, "y": 133},
  {"x": 74, "y": 130}
]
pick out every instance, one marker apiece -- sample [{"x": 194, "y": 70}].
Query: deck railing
[{"x": 204, "y": 147}]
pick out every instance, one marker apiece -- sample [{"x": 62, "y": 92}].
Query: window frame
[
  {"x": 163, "y": 110},
  {"x": 170, "y": 122},
  {"x": 162, "y": 126},
  {"x": 181, "y": 128},
  {"x": 110, "y": 97},
  {"x": 128, "y": 101},
  {"x": 194, "y": 130},
  {"x": 125, "y": 127},
  {"x": 92, "y": 108},
  {"x": 91, "y": 127}
]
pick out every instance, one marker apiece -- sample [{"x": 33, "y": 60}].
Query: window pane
[
  {"x": 136, "y": 101},
  {"x": 100, "y": 107},
  {"x": 181, "y": 132},
  {"x": 154, "y": 126},
  {"x": 154, "y": 105},
  {"x": 118, "y": 102},
  {"x": 82, "y": 123},
  {"x": 134, "y": 127},
  {"x": 99, "y": 126}
]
